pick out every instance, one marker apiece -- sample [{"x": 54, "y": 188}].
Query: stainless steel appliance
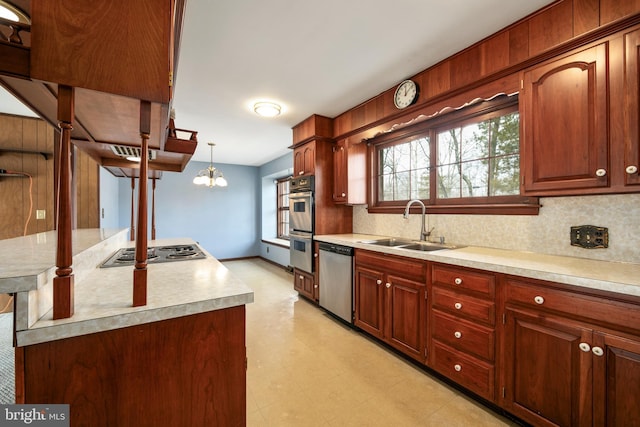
[
  {"x": 336, "y": 280},
  {"x": 301, "y": 204},
  {"x": 301, "y": 209},
  {"x": 155, "y": 254}
]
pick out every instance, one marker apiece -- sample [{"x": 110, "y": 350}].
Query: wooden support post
[
  {"x": 153, "y": 209},
  {"x": 132, "y": 230},
  {"x": 140, "y": 270},
  {"x": 63, "y": 289}
]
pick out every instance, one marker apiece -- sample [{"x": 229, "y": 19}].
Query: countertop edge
[{"x": 502, "y": 261}]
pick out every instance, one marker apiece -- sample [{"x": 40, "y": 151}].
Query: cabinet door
[
  {"x": 298, "y": 161},
  {"x": 340, "y": 172},
  {"x": 616, "y": 370},
  {"x": 548, "y": 378},
  {"x": 309, "y": 156},
  {"x": 304, "y": 283},
  {"x": 369, "y": 296},
  {"x": 405, "y": 323},
  {"x": 631, "y": 106},
  {"x": 564, "y": 119}
]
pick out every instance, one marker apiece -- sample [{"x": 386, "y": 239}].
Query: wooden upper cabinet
[
  {"x": 631, "y": 95},
  {"x": 304, "y": 159},
  {"x": 349, "y": 172},
  {"x": 121, "y": 47},
  {"x": 564, "y": 119}
]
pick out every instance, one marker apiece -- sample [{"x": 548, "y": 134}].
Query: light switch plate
[
  {"x": 41, "y": 214},
  {"x": 590, "y": 236}
]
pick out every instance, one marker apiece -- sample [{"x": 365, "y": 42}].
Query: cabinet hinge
[
  {"x": 504, "y": 392},
  {"x": 504, "y": 318},
  {"x": 521, "y": 84},
  {"x": 170, "y": 78}
]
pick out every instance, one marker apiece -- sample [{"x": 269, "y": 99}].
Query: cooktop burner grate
[{"x": 155, "y": 254}]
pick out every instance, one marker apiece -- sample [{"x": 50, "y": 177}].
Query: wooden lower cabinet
[
  {"x": 570, "y": 368},
  {"x": 390, "y": 300},
  {"x": 188, "y": 371},
  {"x": 305, "y": 284},
  {"x": 548, "y": 378}
]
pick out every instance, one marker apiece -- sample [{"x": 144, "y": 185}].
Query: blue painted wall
[{"x": 225, "y": 221}]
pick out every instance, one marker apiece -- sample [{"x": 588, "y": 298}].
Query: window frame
[
  {"x": 429, "y": 128},
  {"x": 280, "y": 209}
]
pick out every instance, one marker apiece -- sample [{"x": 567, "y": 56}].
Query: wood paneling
[
  {"x": 551, "y": 27},
  {"x": 586, "y": 16},
  {"x": 135, "y": 41},
  {"x": 87, "y": 178},
  {"x": 21, "y": 133},
  {"x": 188, "y": 371},
  {"x": 611, "y": 10}
]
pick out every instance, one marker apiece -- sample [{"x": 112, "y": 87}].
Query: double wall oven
[{"x": 301, "y": 210}]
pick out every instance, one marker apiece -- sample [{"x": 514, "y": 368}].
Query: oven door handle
[
  {"x": 301, "y": 195},
  {"x": 300, "y": 235}
]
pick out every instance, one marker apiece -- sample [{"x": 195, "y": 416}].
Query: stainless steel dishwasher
[{"x": 336, "y": 280}]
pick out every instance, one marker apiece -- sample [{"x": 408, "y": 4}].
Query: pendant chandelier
[{"x": 210, "y": 176}]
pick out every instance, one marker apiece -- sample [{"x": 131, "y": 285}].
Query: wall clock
[{"x": 406, "y": 94}]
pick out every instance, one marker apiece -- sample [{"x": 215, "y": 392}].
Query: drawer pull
[
  {"x": 301, "y": 277},
  {"x": 539, "y": 300},
  {"x": 585, "y": 347},
  {"x": 631, "y": 169},
  {"x": 379, "y": 282},
  {"x": 457, "y": 334},
  {"x": 388, "y": 285},
  {"x": 458, "y": 305},
  {"x": 601, "y": 172},
  {"x": 457, "y": 367},
  {"x": 597, "y": 351},
  {"x": 457, "y": 281}
]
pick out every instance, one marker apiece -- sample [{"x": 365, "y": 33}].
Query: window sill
[{"x": 277, "y": 242}]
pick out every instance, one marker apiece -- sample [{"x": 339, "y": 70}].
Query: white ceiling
[{"x": 313, "y": 57}]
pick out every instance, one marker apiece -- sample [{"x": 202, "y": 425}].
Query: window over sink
[{"x": 465, "y": 161}]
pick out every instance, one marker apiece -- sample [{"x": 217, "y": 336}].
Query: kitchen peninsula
[{"x": 178, "y": 360}]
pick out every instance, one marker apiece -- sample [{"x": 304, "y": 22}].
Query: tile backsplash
[{"x": 546, "y": 233}]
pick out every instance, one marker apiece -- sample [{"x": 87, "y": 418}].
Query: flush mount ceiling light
[
  {"x": 210, "y": 176},
  {"x": 12, "y": 13},
  {"x": 267, "y": 109}
]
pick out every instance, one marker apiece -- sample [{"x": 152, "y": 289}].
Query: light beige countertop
[
  {"x": 103, "y": 296},
  {"x": 616, "y": 277}
]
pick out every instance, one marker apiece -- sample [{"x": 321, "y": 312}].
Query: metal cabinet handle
[
  {"x": 344, "y": 195},
  {"x": 388, "y": 285},
  {"x": 457, "y": 281},
  {"x": 631, "y": 169},
  {"x": 301, "y": 173},
  {"x": 315, "y": 255},
  {"x": 538, "y": 299},
  {"x": 458, "y": 305},
  {"x": 457, "y": 334},
  {"x": 585, "y": 347},
  {"x": 601, "y": 172},
  {"x": 301, "y": 277},
  {"x": 597, "y": 351},
  {"x": 457, "y": 367},
  {"x": 315, "y": 286},
  {"x": 378, "y": 282}
]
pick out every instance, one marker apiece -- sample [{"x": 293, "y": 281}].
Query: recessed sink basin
[
  {"x": 427, "y": 247},
  {"x": 387, "y": 242}
]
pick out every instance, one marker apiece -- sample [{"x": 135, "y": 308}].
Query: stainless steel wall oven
[{"x": 301, "y": 217}]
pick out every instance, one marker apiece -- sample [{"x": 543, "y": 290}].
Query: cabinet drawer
[
  {"x": 464, "y": 336},
  {"x": 619, "y": 314},
  {"x": 401, "y": 266},
  {"x": 460, "y": 278},
  {"x": 467, "y": 371},
  {"x": 463, "y": 305}
]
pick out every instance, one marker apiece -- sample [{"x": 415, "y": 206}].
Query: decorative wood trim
[
  {"x": 140, "y": 271},
  {"x": 63, "y": 283}
]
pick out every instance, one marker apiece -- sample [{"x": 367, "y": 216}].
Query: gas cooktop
[{"x": 155, "y": 254}]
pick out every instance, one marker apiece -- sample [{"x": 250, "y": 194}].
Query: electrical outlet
[
  {"x": 41, "y": 214},
  {"x": 590, "y": 236}
]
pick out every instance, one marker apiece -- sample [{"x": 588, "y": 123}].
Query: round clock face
[{"x": 406, "y": 94}]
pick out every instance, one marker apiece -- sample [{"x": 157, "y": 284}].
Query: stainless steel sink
[
  {"x": 426, "y": 246},
  {"x": 392, "y": 242}
]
